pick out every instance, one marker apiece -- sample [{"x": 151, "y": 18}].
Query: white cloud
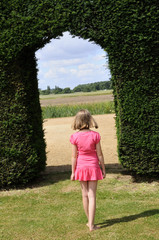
[{"x": 69, "y": 62}]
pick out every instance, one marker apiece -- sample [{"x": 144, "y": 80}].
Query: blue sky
[{"x": 68, "y": 62}]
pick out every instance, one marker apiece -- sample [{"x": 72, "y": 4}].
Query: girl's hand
[
  {"x": 72, "y": 177},
  {"x": 104, "y": 174}
]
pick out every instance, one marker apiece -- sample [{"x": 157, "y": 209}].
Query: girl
[{"x": 86, "y": 156}]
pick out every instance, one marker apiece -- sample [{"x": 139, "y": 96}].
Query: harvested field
[
  {"x": 57, "y": 134},
  {"x": 76, "y": 100}
]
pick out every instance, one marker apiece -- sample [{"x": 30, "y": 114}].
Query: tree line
[{"x": 89, "y": 87}]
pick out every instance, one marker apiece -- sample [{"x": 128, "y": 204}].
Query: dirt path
[
  {"x": 75, "y": 100},
  {"x": 57, "y": 134}
]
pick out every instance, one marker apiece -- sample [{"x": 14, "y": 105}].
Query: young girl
[{"x": 86, "y": 156}]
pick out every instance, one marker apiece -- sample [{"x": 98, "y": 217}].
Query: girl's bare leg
[
  {"x": 84, "y": 187},
  {"x": 92, "y": 187}
]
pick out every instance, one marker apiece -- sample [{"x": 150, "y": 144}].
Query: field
[{"x": 76, "y": 98}]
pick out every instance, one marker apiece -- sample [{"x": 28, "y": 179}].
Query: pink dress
[{"x": 87, "y": 166}]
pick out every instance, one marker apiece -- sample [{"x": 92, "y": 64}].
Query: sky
[{"x": 68, "y": 62}]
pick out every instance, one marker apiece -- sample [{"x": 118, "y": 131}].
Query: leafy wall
[{"x": 126, "y": 29}]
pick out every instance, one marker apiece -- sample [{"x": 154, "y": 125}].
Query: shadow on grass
[
  {"x": 130, "y": 218},
  {"x": 54, "y": 174},
  {"x": 110, "y": 168},
  {"x": 49, "y": 179}
]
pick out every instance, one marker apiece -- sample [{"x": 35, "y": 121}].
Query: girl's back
[
  {"x": 85, "y": 140},
  {"x": 86, "y": 146}
]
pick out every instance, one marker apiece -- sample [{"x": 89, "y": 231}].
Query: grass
[
  {"x": 71, "y": 110},
  {"x": 52, "y": 209},
  {"x": 77, "y": 94}
]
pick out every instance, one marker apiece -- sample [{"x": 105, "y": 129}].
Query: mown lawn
[{"x": 52, "y": 209}]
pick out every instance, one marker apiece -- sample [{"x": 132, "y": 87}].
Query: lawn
[{"x": 52, "y": 209}]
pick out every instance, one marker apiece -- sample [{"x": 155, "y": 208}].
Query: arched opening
[{"x": 69, "y": 61}]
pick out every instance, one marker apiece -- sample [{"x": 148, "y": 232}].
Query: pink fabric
[{"x": 87, "y": 167}]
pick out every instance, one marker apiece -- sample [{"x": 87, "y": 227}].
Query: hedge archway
[{"x": 126, "y": 29}]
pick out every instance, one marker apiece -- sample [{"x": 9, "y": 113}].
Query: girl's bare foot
[
  {"x": 93, "y": 227},
  {"x": 87, "y": 224}
]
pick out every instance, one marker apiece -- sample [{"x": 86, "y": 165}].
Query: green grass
[
  {"x": 77, "y": 94},
  {"x": 52, "y": 209},
  {"x": 71, "y": 110}
]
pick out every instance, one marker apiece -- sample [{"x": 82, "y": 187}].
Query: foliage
[
  {"x": 89, "y": 87},
  {"x": 126, "y": 29},
  {"x": 71, "y": 110},
  {"x": 22, "y": 154}
]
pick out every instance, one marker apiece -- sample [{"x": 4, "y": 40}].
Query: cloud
[
  {"x": 68, "y": 62},
  {"x": 66, "y": 48}
]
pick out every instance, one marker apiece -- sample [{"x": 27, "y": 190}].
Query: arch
[
  {"x": 74, "y": 58},
  {"x": 127, "y": 30}
]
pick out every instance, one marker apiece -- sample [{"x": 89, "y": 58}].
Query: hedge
[{"x": 126, "y": 29}]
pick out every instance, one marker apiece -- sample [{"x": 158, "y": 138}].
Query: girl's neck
[{"x": 85, "y": 130}]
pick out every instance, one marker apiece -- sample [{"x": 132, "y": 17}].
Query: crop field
[
  {"x": 76, "y": 98},
  {"x": 68, "y": 110},
  {"x": 76, "y": 94},
  {"x": 67, "y": 105}
]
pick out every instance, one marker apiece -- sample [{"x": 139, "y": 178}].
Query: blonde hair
[{"x": 84, "y": 120}]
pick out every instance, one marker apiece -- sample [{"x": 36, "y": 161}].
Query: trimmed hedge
[
  {"x": 21, "y": 140},
  {"x": 126, "y": 29}
]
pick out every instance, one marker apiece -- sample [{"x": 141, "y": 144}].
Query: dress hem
[{"x": 88, "y": 174}]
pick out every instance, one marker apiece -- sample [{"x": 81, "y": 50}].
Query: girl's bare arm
[
  {"x": 100, "y": 157},
  {"x": 74, "y": 160}
]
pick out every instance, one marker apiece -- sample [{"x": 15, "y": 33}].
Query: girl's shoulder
[
  {"x": 73, "y": 137},
  {"x": 96, "y": 136},
  {"x": 95, "y": 133},
  {"x": 91, "y": 132}
]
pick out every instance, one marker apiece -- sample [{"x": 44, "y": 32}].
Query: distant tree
[
  {"x": 48, "y": 90},
  {"x": 89, "y": 87},
  {"x": 43, "y": 92},
  {"x": 66, "y": 90},
  {"x": 57, "y": 90},
  {"x": 86, "y": 88},
  {"x": 77, "y": 89}
]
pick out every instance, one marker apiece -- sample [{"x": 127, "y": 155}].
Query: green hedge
[
  {"x": 22, "y": 146},
  {"x": 126, "y": 29},
  {"x": 135, "y": 79}
]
